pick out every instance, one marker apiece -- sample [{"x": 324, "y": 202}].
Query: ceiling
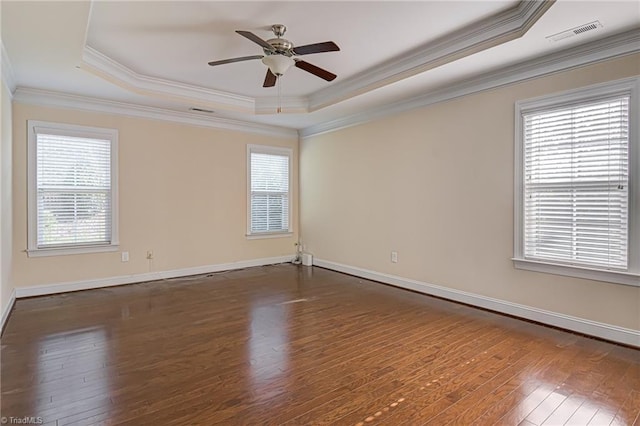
[{"x": 155, "y": 54}]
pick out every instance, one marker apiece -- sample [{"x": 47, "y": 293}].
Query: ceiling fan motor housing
[{"x": 280, "y": 45}]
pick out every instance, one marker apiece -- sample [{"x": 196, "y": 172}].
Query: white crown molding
[
  {"x": 7, "y": 310},
  {"x": 64, "y": 287},
  {"x": 96, "y": 62},
  {"x": 487, "y": 33},
  {"x": 62, "y": 100},
  {"x": 626, "y": 43},
  {"x": 8, "y": 76},
  {"x": 592, "y": 328},
  {"x": 611, "y": 47},
  {"x": 105, "y": 67}
]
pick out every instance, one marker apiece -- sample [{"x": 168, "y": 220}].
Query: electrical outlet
[
  {"x": 394, "y": 257},
  {"x": 149, "y": 254},
  {"x": 125, "y": 256}
]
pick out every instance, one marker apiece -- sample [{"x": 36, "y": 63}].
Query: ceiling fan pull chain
[{"x": 279, "y": 94}]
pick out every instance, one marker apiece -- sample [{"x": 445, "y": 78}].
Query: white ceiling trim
[
  {"x": 8, "y": 76},
  {"x": 608, "y": 48},
  {"x": 47, "y": 98},
  {"x": 489, "y": 32},
  {"x": 618, "y": 45},
  {"x": 105, "y": 67}
]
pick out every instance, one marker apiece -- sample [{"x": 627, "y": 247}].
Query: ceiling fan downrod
[{"x": 279, "y": 30}]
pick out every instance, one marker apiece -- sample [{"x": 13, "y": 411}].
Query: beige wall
[
  {"x": 6, "y": 286},
  {"x": 436, "y": 185},
  {"x": 182, "y": 194}
]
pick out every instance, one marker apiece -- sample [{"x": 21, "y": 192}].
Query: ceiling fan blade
[
  {"x": 229, "y": 61},
  {"x": 269, "y": 79},
  {"x": 317, "y": 71},
  {"x": 254, "y": 38},
  {"x": 327, "y": 46}
]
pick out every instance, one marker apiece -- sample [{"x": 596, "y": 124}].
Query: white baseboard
[
  {"x": 64, "y": 287},
  {"x": 7, "y": 310},
  {"x": 592, "y": 328}
]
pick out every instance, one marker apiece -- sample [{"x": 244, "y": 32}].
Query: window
[
  {"x": 577, "y": 183},
  {"x": 72, "y": 190},
  {"x": 269, "y": 179}
]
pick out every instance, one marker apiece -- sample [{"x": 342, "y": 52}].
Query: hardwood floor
[{"x": 287, "y": 345}]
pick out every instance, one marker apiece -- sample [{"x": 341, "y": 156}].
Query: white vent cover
[
  {"x": 575, "y": 31},
  {"x": 208, "y": 111}
]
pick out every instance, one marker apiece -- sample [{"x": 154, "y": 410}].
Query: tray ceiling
[{"x": 156, "y": 53}]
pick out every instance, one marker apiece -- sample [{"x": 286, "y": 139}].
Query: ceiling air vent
[
  {"x": 575, "y": 31},
  {"x": 208, "y": 111}
]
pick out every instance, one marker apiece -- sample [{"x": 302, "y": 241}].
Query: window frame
[
  {"x": 273, "y": 150},
  {"x": 627, "y": 86},
  {"x": 66, "y": 129}
]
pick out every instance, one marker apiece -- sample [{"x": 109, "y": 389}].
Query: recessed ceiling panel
[{"x": 175, "y": 40}]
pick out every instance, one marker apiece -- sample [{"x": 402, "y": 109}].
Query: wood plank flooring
[{"x": 288, "y": 345}]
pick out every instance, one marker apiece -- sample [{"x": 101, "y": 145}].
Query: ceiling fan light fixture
[
  {"x": 280, "y": 54},
  {"x": 278, "y": 64}
]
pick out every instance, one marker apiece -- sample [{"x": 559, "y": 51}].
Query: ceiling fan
[{"x": 280, "y": 54}]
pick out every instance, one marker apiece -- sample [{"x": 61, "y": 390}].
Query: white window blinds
[
  {"x": 576, "y": 173},
  {"x": 269, "y": 199},
  {"x": 73, "y": 190}
]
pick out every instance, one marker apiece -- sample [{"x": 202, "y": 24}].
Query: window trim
[
  {"x": 32, "y": 214},
  {"x": 266, "y": 149},
  {"x": 629, "y": 86}
]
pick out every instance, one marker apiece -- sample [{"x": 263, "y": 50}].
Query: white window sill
[
  {"x": 260, "y": 236},
  {"x": 62, "y": 251},
  {"x": 617, "y": 277}
]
